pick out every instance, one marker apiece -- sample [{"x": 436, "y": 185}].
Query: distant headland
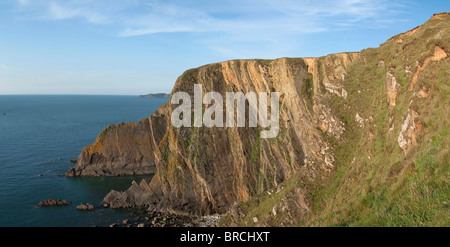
[{"x": 154, "y": 95}]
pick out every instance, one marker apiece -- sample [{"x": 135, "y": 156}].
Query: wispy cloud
[
  {"x": 290, "y": 16},
  {"x": 58, "y": 11},
  {"x": 233, "y": 21},
  {"x": 150, "y": 17},
  {"x": 23, "y": 2},
  {"x": 86, "y": 10}
]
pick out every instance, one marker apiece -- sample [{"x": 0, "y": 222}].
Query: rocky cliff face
[
  {"x": 205, "y": 170},
  {"x": 347, "y": 105},
  {"x": 123, "y": 149},
  {"x": 391, "y": 163}
]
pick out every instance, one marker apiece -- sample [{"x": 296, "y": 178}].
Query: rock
[
  {"x": 255, "y": 220},
  {"x": 411, "y": 127},
  {"x": 73, "y": 160},
  {"x": 327, "y": 122},
  {"x": 423, "y": 93},
  {"x": 86, "y": 206},
  {"x": 138, "y": 195},
  {"x": 408, "y": 72},
  {"x": 329, "y": 159},
  {"x": 344, "y": 94},
  {"x": 53, "y": 202},
  {"x": 392, "y": 88},
  {"x": 158, "y": 219},
  {"x": 121, "y": 150},
  {"x": 200, "y": 184},
  {"x": 438, "y": 55},
  {"x": 359, "y": 120}
]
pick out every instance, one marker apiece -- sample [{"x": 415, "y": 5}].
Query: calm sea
[{"x": 38, "y": 137}]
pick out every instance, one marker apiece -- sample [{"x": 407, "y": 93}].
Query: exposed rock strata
[
  {"x": 122, "y": 149},
  {"x": 438, "y": 55},
  {"x": 204, "y": 171}
]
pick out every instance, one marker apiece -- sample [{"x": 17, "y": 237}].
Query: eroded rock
[
  {"x": 392, "y": 89},
  {"x": 85, "y": 207},
  {"x": 411, "y": 127},
  {"x": 53, "y": 202},
  {"x": 359, "y": 120}
]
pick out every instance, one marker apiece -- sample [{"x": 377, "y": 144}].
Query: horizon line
[{"x": 62, "y": 94}]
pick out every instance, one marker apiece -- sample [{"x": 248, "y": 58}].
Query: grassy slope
[
  {"x": 389, "y": 189},
  {"x": 374, "y": 184}
]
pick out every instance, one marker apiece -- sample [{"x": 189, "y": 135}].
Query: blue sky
[{"x": 134, "y": 47}]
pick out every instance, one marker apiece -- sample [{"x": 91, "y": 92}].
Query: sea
[{"x": 39, "y": 134}]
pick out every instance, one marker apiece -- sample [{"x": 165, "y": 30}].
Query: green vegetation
[
  {"x": 265, "y": 202},
  {"x": 102, "y": 135},
  {"x": 389, "y": 189},
  {"x": 374, "y": 183},
  {"x": 308, "y": 88},
  {"x": 265, "y": 62}
]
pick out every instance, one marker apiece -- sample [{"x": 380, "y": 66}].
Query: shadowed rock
[
  {"x": 53, "y": 202},
  {"x": 203, "y": 171},
  {"x": 84, "y": 207}
]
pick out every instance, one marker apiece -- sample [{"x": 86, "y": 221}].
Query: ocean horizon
[{"x": 39, "y": 134}]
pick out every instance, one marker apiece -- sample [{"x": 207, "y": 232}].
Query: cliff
[
  {"x": 123, "y": 149},
  {"x": 391, "y": 165},
  {"x": 204, "y": 171},
  {"x": 351, "y": 125}
]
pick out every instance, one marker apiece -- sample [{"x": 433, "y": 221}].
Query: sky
[{"x": 133, "y": 47}]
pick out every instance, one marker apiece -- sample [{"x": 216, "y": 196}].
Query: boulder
[
  {"x": 53, "y": 202},
  {"x": 86, "y": 206}
]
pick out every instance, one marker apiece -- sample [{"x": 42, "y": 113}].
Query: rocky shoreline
[
  {"x": 143, "y": 217},
  {"x": 53, "y": 202},
  {"x": 158, "y": 219}
]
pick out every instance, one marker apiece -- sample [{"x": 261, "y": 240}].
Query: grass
[
  {"x": 308, "y": 88},
  {"x": 101, "y": 136},
  {"x": 390, "y": 189},
  {"x": 263, "y": 206},
  {"x": 374, "y": 182}
]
